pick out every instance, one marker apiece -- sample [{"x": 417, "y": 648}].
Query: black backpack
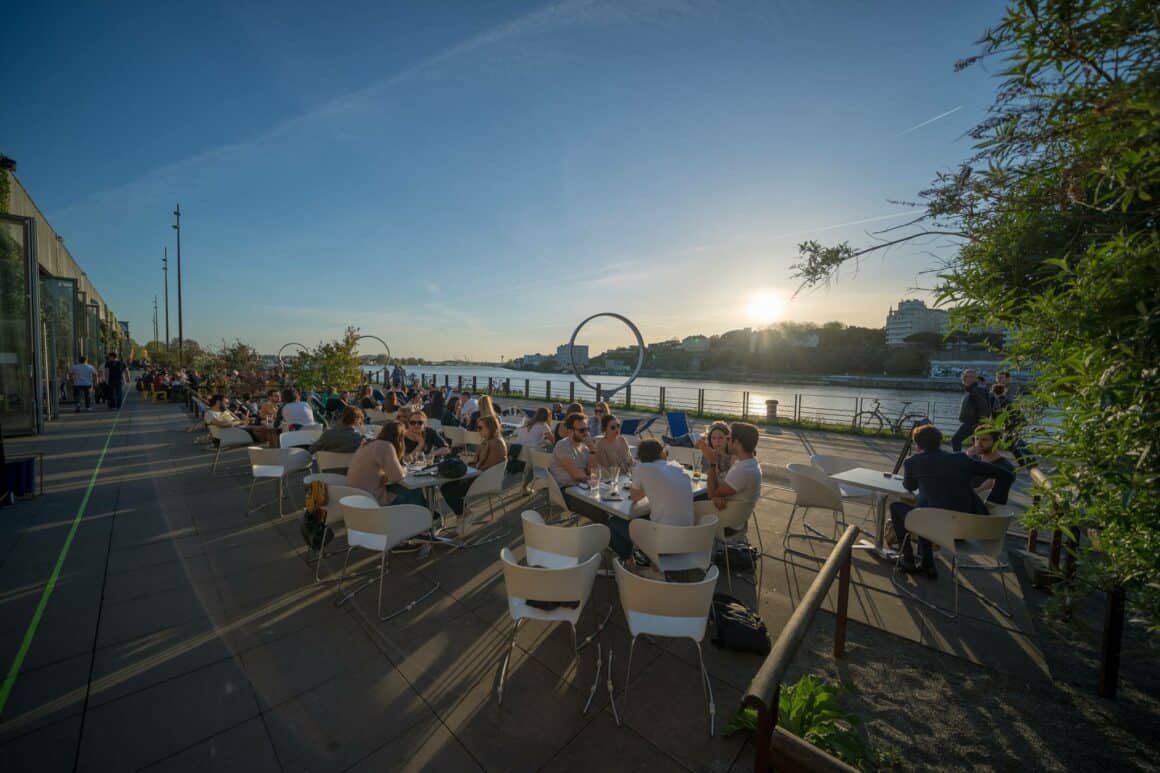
[
  {"x": 451, "y": 467},
  {"x": 738, "y": 627},
  {"x": 742, "y": 557}
]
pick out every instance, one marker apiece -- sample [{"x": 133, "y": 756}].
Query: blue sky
[{"x": 475, "y": 178}]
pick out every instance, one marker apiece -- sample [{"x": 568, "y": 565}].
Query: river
[{"x": 835, "y": 404}]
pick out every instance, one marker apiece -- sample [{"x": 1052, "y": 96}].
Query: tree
[
  {"x": 1055, "y": 219},
  {"x": 332, "y": 364},
  {"x": 928, "y": 341}
]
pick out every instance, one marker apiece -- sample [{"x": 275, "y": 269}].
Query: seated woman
[
  {"x": 451, "y": 413},
  {"x": 434, "y": 406},
  {"x": 419, "y": 439},
  {"x": 295, "y": 412},
  {"x": 536, "y": 432},
  {"x": 377, "y": 469},
  {"x": 366, "y": 398},
  {"x": 596, "y": 422},
  {"x": 492, "y": 451},
  {"x": 558, "y": 411},
  {"x": 718, "y": 438},
  {"x": 485, "y": 409},
  {"x": 612, "y": 449},
  {"x": 415, "y": 400}
]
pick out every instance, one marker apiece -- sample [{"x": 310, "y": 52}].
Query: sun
[{"x": 765, "y": 307}]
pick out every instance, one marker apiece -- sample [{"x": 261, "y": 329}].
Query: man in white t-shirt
[
  {"x": 743, "y": 481},
  {"x": 83, "y": 376},
  {"x": 467, "y": 405},
  {"x": 669, "y": 492}
]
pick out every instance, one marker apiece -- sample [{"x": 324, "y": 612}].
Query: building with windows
[
  {"x": 912, "y": 316},
  {"x": 50, "y": 313},
  {"x": 564, "y": 354}
]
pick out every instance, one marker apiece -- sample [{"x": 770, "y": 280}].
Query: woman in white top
[
  {"x": 295, "y": 413},
  {"x": 536, "y": 433}
]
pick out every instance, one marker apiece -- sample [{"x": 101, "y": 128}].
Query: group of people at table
[{"x": 581, "y": 444}]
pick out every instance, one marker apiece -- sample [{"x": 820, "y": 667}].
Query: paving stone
[
  {"x": 426, "y": 746},
  {"x": 51, "y": 749},
  {"x": 155, "y": 723},
  {"x": 137, "y": 617},
  {"x": 42, "y": 696},
  {"x": 244, "y": 748},
  {"x": 603, "y": 746},
  {"x": 157, "y": 577}
]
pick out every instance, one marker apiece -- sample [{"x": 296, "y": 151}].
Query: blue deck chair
[
  {"x": 678, "y": 423},
  {"x": 530, "y": 412},
  {"x": 634, "y": 427}
]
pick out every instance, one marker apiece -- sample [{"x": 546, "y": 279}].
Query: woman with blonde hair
[
  {"x": 492, "y": 451},
  {"x": 377, "y": 468},
  {"x": 486, "y": 408}
]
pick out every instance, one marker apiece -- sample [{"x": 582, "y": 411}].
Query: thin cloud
[{"x": 929, "y": 121}]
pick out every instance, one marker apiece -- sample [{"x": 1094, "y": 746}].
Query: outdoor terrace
[{"x": 183, "y": 634}]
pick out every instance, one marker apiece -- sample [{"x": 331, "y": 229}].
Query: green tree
[
  {"x": 334, "y": 364},
  {"x": 1056, "y": 217}
]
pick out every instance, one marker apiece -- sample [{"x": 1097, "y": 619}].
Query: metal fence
[{"x": 801, "y": 408}]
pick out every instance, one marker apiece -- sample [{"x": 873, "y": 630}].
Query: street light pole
[
  {"x": 180, "y": 329},
  {"x": 165, "y": 270},
  {"x": 155, "y": 318}
]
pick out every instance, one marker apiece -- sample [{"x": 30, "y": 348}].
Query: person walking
[
  {"x": 975, "y": 407},
  {"x": 83, "y": 376},
  {"x": 116, "y": 376}
]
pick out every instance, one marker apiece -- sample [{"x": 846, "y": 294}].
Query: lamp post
[
  {"x": 165, "y": 271},
  {"x": 180, "y": 329},
  {"x": 155, "y": 318}
]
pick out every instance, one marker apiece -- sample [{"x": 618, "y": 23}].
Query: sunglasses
[{"x": 415, "y": 423}]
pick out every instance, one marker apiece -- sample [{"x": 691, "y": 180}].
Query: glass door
[
  {"x": 20, "y": 412},
  {"x": 57, "y": 315}
]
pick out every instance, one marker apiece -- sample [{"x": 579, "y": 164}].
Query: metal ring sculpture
[
  {"x": 292, "y": 343},
  {"x": 381, "y": 341},
  {"x": 639, "y": 356}
]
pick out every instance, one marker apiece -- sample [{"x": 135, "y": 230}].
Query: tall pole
[
  {"x": 155, "y": 318},
  {"x": 180, "y": 329},
  {"x": 165, "y": 270}
]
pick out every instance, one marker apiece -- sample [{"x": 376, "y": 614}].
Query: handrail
[{"x": 762, "y": 694}]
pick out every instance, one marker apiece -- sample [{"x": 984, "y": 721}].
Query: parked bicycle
[{"x": 875, "y": 419}]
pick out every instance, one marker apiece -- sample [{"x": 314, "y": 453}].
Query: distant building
[
  {"x": 529, "y": 360},
  {"x": 804, "y": 340},
  {"x": 913, "y": 316},
  {"x": 695, "y": 344},
  {"x": 564, "y": 354}
]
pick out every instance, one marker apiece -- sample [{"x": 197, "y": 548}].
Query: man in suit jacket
[
  {"x": 975, "y": 407},
  {"x": 943, "y": 480}
]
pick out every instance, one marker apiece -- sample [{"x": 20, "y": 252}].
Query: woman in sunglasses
[
  {"x": 421, "y": 439},
  {"x": 612, "y": 449}
]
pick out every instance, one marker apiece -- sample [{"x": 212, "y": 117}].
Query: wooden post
[
  {"x": 548, "y": 389},
  {"x": 527, "y": 387},
  {"x": 662, "y": 400},
  {"x": 507, "y": 387},
  {"x": 460, "y": 389},
  {"x": 474, "y": 384},
  {"x": 1056, "y": 548},
  {"x": 628, "y": 396},
  {"x": 843, "y": 605},
  {"x": 1113, "y": 639},
  {"x": 599, "y": 391},
  {"x": 446, "y": 380},
  {"x": 571, "y": 391},
  {"x": 700, "y": 402},
  {"x": 763, "y": 736},
  {"x": 745, "y": 405}
]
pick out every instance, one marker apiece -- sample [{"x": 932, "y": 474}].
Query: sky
[{"x": 474, "y": 179}]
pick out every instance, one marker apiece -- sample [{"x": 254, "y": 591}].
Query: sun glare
[{"x": 765, "y": 307}]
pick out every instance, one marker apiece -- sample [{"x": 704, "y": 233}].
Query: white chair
[
  {"x": 336, "y": 489},
  {"x": 687, "y": 457},
  {"x": 299, "y": 438},
  {"x": 732, "y": 522},
  {"x": 676, "y": 610},
  {"x": 229, "y": 438},
  {"x": 812, "y": 488},
  {"x": 555, "y": 547},
  {"x": 966, "y": 536},
  {"x": 374, "y": 416},
  {"x": 567, "y": 585},
  {"x": 275, "y": 464},
  {"x": 332, "y": 460},
  {"x": 540, "y": 462},
  {"x": 832, "y": 465},
  {"x": 676, "y": 548},
  {"x": 379, "y": 528},
  {"x": 454, "y": 436},
  {"x": 487, "y": 485}
]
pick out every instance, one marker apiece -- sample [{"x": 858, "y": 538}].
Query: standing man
[
  {"x": 83, "y": 376},
  {"x": 117, "y": 375},
  {"x": 975, "y": 407}
]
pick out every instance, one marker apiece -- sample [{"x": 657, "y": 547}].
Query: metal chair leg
[
  {"x": 728, "y": 567},
  {"x": 506, "y": 660},
  {"x": 707, "y": 689},
  {"x": 216, "y": 456},
  {"x": 627, "y": 677}
]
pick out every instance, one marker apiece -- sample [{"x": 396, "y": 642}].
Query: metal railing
[
  {"x": 774, "y": 746},
  {"x": 798, "y": 408}
]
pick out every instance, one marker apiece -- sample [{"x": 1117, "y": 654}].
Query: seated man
[
  {"x": 269, "y": 409},
  {"x": 219, "y": 413},
  {"x": 669, "y": 492},
  {"x": 984, "y": 450},
  {"x": 570, "y": 454},
  {"x": 345, "y": 438},
  {"x": 944, "y": 480},
  {"x": 743, "y": 481}
]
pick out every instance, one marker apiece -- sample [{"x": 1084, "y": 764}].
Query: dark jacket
[
  {"x": 431, "y": 440},
  {"x": 975, "y": 407},
  {"x": 341, "y": 440},
  {"x": 944, "y": 479}
]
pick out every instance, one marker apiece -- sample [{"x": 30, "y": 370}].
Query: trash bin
[{"x": 771, "y": 411}]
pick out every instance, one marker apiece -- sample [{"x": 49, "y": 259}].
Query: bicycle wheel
[
  {"x": 868, "y": 421},
  {"x": 906, "y": 425}
]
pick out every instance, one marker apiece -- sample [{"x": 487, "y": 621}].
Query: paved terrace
[{"x": 183, "y": 634}]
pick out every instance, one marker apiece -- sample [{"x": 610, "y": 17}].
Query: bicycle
[{"x": 875, "y": 419}]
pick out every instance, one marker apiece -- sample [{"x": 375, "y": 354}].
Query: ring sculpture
[
  {"x": 376, "y": 338},
  {"x": 279, "y": 354},
  {"x": 639, "y": 356}
]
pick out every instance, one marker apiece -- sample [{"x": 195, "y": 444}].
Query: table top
[
  {"x": 623, "y": 507},
  {"x": 874, "y": 480},
  {"x": 415, "y": 481}
]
